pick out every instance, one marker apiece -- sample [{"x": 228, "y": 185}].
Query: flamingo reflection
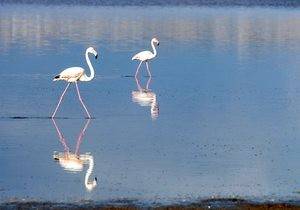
[
  {"x": 74, "y": 162},
  {"x": 145, "y": 97}
]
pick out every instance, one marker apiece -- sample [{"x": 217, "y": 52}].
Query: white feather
[
  {"x": 143, "y": 56},
  {"x": 71, "y": 74}
]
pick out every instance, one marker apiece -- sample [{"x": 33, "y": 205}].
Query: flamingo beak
[
  {"x": 157, "y": 43},
  {"x": 96, "y": 56}
]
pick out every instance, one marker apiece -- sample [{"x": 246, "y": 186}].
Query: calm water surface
[{"x": 226, "y": 116}]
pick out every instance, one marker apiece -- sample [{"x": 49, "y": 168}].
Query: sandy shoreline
[{"x": 204, "y": 204}]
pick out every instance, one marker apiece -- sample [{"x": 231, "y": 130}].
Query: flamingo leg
[
  {"x": 60, "y": 99},
  {"x": 138, "y": 84},
  {"x": 148, "y": 69},
  {"x": 80, "y": 99},
  {"x": 148, "y": 82},
  {"x": 137, "y": 70}
]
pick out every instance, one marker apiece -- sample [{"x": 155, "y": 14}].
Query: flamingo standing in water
[
  {"x": 75, "y": 74},
  {"x": 145, "y": 56}
]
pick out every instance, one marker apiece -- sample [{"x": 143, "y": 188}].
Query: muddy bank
[{"x": 204, "y": 204}]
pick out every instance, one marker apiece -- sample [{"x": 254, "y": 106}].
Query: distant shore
[{"x": 265, "y": 3}]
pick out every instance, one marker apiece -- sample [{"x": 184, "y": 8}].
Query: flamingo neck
[
  {"x": 92, "y": 71},
  {"x": 154, "y": 49}
]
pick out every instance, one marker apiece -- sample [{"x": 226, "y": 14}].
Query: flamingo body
[
  {"x": 143, "y": 56},
  {"x": 71, "y": 74}
]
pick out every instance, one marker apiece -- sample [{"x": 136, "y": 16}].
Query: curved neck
[
  {"x": 88, "y": 184},
  {"x": 92, "y": 71},
  {"x": 153, "y": 47}
]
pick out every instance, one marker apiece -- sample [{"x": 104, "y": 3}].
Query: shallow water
[{"x": 227, "y": 90}]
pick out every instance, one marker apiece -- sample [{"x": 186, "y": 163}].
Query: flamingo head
[
  {"x": 93, "y": 51},
  {"x": 155, "y": 41}
]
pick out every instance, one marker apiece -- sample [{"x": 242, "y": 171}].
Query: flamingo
[
  {"x": 75, "y": 74},
  {"x": 145, "y": 56},
  {"x": 74, "y": 162}
]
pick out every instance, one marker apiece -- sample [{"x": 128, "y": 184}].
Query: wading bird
[
  {"x": 75, "y": 74},
  {"x": 145, "y": 56}
]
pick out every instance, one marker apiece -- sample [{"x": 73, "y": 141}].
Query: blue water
[{"x": 226, "y": 81}]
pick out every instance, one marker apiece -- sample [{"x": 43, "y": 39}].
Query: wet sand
[{"x": 228, "y": 204}]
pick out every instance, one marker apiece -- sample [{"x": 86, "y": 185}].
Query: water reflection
[
  {"x": 74, "y": 162},
  {"x": 146, "y": 97}
]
